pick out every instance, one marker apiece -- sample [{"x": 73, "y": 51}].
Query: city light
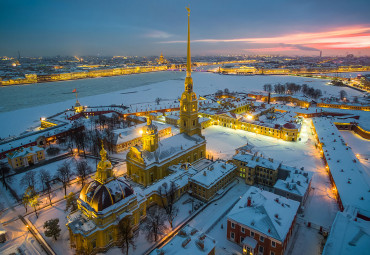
[{"x": 249, "y": 117}]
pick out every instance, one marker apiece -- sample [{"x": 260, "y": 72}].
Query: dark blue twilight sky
[{"x": 147, "y": 27}]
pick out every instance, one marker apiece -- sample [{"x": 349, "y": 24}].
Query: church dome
[{"x": 100, "y": 196}]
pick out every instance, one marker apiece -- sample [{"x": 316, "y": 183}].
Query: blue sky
[{"x": 144, "y": 27}]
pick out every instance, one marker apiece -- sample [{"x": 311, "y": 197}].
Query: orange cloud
[{"x": 340, "y": 38}]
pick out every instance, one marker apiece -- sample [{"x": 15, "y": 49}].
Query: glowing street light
[{"x": 249, "y": 117}]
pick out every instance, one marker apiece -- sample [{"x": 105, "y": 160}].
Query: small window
[
  {"x": 272, "y": 253},
  {"x": 243, "y": 230},
  {"x": 262, "y": 238},
  {"x": 252, "y": 234},
  {"x": 232, "y": 225},
  {"x": 273, "y": 244},
  {"x": 232, "y": 235},
  {"x": 260, "y": 249}
]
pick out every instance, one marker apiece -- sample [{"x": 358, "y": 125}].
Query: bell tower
[
  {"x": 189, "y": 123},
  {"x": 104, "y": 171},
  {"x": 150, "y": 136}
]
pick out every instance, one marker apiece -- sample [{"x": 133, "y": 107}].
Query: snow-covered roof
[
  {"x": 24, "y": 152},
  {"x": 188, "y": 241},
  {"x": 348, "y": 236},
  {"x": 252, "y": 161},
  {"x": 180, "y": 176},
  {"x": 131, "y": 133},
  {"x": 268, "y": 213},
  {"x": 170, "y": 147},
  {"x": 297, "y": 182},
  {"x": 348, "y": 173},
  {"x": 213, "y": 173}
]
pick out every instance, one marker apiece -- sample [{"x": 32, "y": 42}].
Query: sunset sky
[{"x": 147, "y": 27}]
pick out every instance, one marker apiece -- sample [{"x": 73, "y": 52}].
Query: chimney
[
  {"x": 205, "y": 173},
  {"x": 249, "y": 203}
]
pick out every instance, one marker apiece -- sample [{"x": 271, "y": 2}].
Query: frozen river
[
  {"x": 24, "y": 96},
  {"x": 22, "y": 106}
]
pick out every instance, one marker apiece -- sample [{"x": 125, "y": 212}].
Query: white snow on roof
[
  {"x": 348, "y": 236},
  {"x": 188, "y": 241},
  {"x": 253, "y": 161},
  {"x": 297, "y": 182},
  {"x": 350, "y": 178},
  {"x": 213, "y": 173},
  {"x": 24, "y": 151},
  {"x": 131, "y": 133},
  {"x": 269, "y": 214},
  {"x": 172, "y": 146}
]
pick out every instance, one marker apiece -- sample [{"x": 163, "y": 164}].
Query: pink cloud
[{"x": 356, "y": 37}]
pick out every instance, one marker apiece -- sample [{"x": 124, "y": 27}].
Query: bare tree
[
  {"x": 29, "y": 179},
  {"x": 158, "y": 100},
  {"x": 44, "y": 177},
  {"x": 342, "y": 94},
  {"x": 31, "y": 198},
  {"x": 64, "y": 174},
  {"x": 154, "y": 226},
  {"x": 4, "y": 170},
  {"x": 127, "y": 234},
  {"x": 168, "y": 198},
  {"x": 83, "y": 170},
  {"x": 71, "y": 202}
]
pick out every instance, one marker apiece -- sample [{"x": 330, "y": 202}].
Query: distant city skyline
[{"x": 147, "y": 28}]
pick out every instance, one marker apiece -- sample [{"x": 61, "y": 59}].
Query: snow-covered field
[
  {"x": 320, "y": 208},
  {"x": 360, "y": 146},
  {"x": 170, "y": 88},
  {"x": 51, "y": 169}
]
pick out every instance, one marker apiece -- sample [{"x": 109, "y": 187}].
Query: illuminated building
[
  {"x": 102, "y": 204},
  {"x": 131, "y": 136},
  {"x": 24, "y": 157},
  {"x": 262, "y": 222},
  {"x": 149, "y": 162},
  {"x": 161, "y": 60}
]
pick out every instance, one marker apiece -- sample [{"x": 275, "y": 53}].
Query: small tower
[
  {"x": 150, "y": 136},
  {"x": 104, "y": 171},
  {"x": 189, "y": 123}
]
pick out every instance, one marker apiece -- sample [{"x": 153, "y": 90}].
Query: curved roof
[{"x": 100, "y": 196}]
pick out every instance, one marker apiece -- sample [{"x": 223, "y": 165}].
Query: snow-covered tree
[
  {"x": 71, "y": 202},
  {"x": 154, "y": 224},
  {"x": 64, "y": 174},
  {"x": 167, "y": 193},
  {"x": 44, "y": 177},
  {"x": 127, "y": 234},
  {"x": 52, "y": 228},
  {"x": 83, "y": 170}
]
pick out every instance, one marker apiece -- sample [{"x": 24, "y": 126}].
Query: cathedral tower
[
  {"x": 104, "y": 171},
  {"x": 150, "y": 136},
  {"x": 189, "y": 123}
]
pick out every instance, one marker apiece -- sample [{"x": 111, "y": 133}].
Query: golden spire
[
  {"x": 103, "y": 153},
  {"x": 188, "y": 79}
]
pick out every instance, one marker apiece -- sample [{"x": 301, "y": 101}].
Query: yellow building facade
[
  {"x": 26, "y": 156},
  {"x": 102, "y": 204}
]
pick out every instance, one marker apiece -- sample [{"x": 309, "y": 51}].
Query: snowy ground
[
  {"x": 204, "y": 83},
  {"x": 320, "y": 208},
  {"x": 60, "y": 246},
  {"x": 52, "y": 169},
  {"x": 360, "y": 146}
]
